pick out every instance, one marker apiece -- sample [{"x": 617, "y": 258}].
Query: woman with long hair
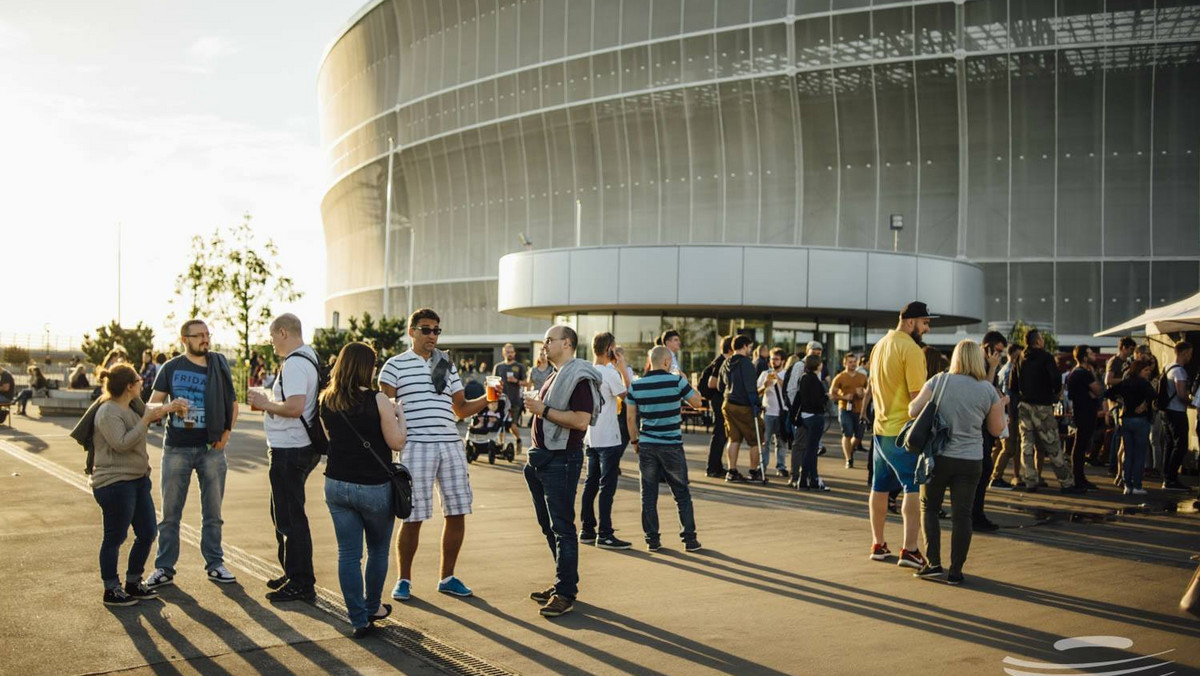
[
  {"x": 149, "y": 372},
  {"x": 967, "y": 403},
  {"x": 121, "y": 482},
  {"x": 808, "y": 416},
  {"x": 361, "y": 422},
  {"x": 38, "y": 387},
  {"x": 1137, "y": 397}
]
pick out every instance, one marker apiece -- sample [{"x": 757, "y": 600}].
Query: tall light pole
[
  {"x": 118, "y": 273},
  {"x": 387, "y": 237}
]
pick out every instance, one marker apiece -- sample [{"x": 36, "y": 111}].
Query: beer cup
[{"x": 493, "y": 388}]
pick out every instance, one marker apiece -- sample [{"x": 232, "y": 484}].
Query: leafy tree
[
  {"x": 195, "y": 289},
  {"x": 1020, "y": 328},
  {"x": 385, "y": 335},
  {"x": 16, "y": 355},
  {"x": 133, "y": 340}
]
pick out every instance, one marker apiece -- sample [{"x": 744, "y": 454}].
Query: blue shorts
[
  {"x": 849, "y": 421},
  {"x": 894, "y": 467}
]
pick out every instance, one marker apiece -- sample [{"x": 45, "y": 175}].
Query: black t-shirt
[
  {"x": 512, "y": 391},
  {"x": 8, "y": 386},
  {"x": 1079, "y": 391},
  {"x": 179, "y": 377},
  {"x": 1133, "y": 392},
  {"x": 581, "y": 400},
  {"x": 348, "y": 460}
]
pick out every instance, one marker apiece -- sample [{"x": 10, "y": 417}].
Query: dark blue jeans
[
  {"x": 122, "y": 504},
  {"x": 361, "y": 512},
  {"x": 602, "y": 464},
  {"x": 288, "y": 471},
  {"x": 665, "y": 461},
  {"x": 552, "y": 477}
]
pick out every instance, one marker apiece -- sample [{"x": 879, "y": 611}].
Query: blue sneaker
[
  {"x": 402, "y": 591},
  {"x": 454, "y": 586}
]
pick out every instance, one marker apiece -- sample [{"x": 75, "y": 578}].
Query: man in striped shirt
[
  {"x": 654, "y": 418},
  {"x": 426, "y": 383}
]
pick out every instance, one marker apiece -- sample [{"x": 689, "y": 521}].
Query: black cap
[{"x": 916, "y": 310}]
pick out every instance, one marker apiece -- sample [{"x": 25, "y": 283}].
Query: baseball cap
[
  {"x": 916, "y": 310},
  {"x": 814, "y": 345}
]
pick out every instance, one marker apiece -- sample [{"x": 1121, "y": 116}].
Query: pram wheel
[
  {"x": 491, "y": 454},
  {"x": 510, "y": 451},
  {"x": 472, "y": 452}
]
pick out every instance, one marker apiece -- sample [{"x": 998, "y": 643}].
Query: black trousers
[
  {"x": 985, "y": 478},
  {"x": 1085, "y": 431},
  {"x": 716, "y": 447},
  {"x": 289, "y": 470},
  {"x": 1176, "y": 446}
]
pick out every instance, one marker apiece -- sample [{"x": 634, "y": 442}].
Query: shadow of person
[
  {"x": 153, "y": 613},
  {"x": 26, "y": 442}
]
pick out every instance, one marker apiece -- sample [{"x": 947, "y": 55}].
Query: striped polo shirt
[
  {"x": 658, "y": 396},
  {"x": 429, "y": 416}
]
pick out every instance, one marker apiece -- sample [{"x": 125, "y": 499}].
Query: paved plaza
[{"x": 783, "y": 585}]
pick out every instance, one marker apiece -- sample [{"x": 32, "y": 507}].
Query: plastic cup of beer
[{"x": 493, "y": 388}]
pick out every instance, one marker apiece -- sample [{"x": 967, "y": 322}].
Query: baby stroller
[{"x": 483, "y": 434}]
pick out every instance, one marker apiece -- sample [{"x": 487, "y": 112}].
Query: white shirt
[
  {"x": 607, "y": 432},
  {"x": 1175, "y": 372},
  {"x": 770, "y": 398},
  {"x": 298, "y": 377},
  {"x": 428, "y": 415}
]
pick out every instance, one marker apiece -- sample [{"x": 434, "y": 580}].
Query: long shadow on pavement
[{"x": 152, "y": 611}]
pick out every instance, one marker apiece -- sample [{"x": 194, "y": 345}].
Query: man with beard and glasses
[{"x": 195, "y": 442}]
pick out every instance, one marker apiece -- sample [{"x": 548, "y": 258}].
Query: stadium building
[{"x": 799, "y": 168}]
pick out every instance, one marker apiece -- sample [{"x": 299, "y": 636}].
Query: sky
[{"x": 169, "y": 118}]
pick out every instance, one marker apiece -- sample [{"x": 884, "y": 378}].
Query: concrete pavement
[{"x": 783, "y": 585}]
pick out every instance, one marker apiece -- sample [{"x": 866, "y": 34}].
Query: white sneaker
[
  {"x": 1135, "y": 491},
  {"x": 159, "y": 578},
  {"x": 221, "y": 574}
]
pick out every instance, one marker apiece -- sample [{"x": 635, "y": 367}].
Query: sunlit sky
[{"x": 170, "y": 118}]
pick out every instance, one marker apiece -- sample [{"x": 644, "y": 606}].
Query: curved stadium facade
[{"x": 1044, "y": 155}]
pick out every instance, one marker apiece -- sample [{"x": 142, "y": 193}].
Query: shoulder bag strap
[
  {"x": 365, "y": 444},
  {"x": 941, "y": 389}
]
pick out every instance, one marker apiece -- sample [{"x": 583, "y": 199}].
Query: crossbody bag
[{"x": 397, "y": 474}]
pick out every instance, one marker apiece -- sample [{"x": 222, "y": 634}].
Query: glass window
[
  {"x": 1176, "y": 156},
  {"x": 985, "y": 26},
  {"x": 664, "y": 57},
  {"x": 579, "y": 26},
  {"x": 1081, "y": 22},
  {"x": 852, "y": 37},
  {"x": 1126, "y": 194},
  {"x": 812, "y": 42},
  {"x": 643, "y": 169},
  {"x": 666, "y": 18},
  {"x": 1177, "y": 19},
  {"x": 898, "y": 156},
  {"x": 769, "y": 48},
  {"x": 1172, "y": 281},
  {"x": 675, "y": 162},
  {"x": 698, "y": 62},
  {"x": 554, "y": 29},
  {"x": 935, "y": 29},
  {"x": 707, "y": 165},
  {"x": 937, "y": 103},
  {"x": 995, "y": 292},
  {"x": 856, "y": 137},
  {"x": 733, "y": 12},
  {"x": 1033, "y": 137},
  {"x": 1031, "y": 23},
  {"x": 778, "y": 149},
  {"x": 587, "y": 173},
  {"x": 606, "y": 32},
  {"x": 635, "y": 21},
  {"x": 1126, "y": 290},
  {"x": 1033, "y": 293},
  {"x": 733, "y": 53},
  {"x": 531, "y": 32},
  {"x": 893, "y": 32},
  {"x": 740, "y": 135},
  {"x": 819, "y": 152},
  {"x": 507, "y": 39},
  {"x": 812, "y": 6},
  {"x": 699, "y": 15},
  {"x": 605, "y": 81},
  {"x": 579, "y": 80},
  {"x": 1078, "y": 298},
  {"x": 1080, "y": 156},
  {"x": 635, "y": 69},
  {"x": 987, "y": 215},
  {"x": 614, "y": 173},
  {"x": 552, "y": 80}
]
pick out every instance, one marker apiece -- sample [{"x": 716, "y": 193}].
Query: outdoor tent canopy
[{"x": 1182, "y": 315}]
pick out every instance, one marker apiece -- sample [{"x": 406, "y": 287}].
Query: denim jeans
[
  {"x": 665, "y": 461},
  {"x": 772, "y": 435},
  {"x": 1135, "y": 432},
  {"x": 177, "y": 467},
  {"x": 360, "y": 511},
  {"x": 289, "y": 469},
  {"x": 602, "y": 465},
  {"x": 122, "y": 504},
  {"x": 552, "y": 487}
]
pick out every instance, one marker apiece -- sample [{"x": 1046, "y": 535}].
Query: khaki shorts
[{"x": 740, "y": 423}]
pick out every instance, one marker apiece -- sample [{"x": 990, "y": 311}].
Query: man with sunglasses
[
  {"x": 195, "y": 442},
  {"x": 426, "y": 383}
]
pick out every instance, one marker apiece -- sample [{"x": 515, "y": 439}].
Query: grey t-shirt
[{"x": 964, "y": 406}]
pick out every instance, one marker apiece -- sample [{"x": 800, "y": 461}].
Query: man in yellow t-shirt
[{"x": 897, "y": 376}]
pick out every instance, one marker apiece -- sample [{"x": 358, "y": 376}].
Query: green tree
[
  {"x": 16, "y": 355},
  {"x": 195, "y": 289},
  {"x": 1020, "y": 328},
  {"x": 133, "y": 340},
  {"x": 385, "y": 335}
]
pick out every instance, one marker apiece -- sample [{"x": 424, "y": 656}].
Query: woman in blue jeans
[
  {"x": 1137, "y": 397},
  {"x": 808, "y": 415},
  {"x": 121, "y": 483},
  {"x": 361, "y": 422}
]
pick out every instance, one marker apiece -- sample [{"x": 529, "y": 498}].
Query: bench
[
  {"x": 63, "y": 402},
  {"x": 6, "y": 407},
  {"x": 693, "y": 418}
]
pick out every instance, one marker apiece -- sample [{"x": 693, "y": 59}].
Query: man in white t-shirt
[
  {"x": 427, "y": 385},
  {"x": 604, "y": 448},
  {"x": 770, "y": 388},
  {"x": 287, "y": 415}
]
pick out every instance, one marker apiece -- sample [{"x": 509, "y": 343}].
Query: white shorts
[{"x": 445, "y": 462}]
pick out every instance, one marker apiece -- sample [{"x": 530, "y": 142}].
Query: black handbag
[
  {"x": 919, "y": 432},
  {"x": 397, "y": 473}
]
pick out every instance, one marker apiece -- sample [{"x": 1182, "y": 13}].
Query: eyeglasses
[
  {"x": 430, "y": 330},
  {"x": 550, "y": 339},
  {"x": 197, "y": 335}
]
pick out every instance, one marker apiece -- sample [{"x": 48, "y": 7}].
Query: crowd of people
[{"x": 990, "y": 399}]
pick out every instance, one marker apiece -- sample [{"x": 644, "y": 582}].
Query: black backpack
[
  {"x": 1163, "y": 396},
  {"x": 316, "y": 431}
]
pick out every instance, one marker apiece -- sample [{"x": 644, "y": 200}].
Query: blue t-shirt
[
  {"x": 658, "y": 396},
  {"x": 181, "y": 378}
]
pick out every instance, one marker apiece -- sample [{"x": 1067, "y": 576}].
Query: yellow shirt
[{"x": 897, "y": 368}]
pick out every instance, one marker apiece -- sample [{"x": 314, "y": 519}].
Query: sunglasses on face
[
  {"x": 430, "y": 330},
  {"x": 197, "y": 335}
]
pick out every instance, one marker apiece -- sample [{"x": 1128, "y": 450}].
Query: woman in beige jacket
[{"x": 121, "y": 483}]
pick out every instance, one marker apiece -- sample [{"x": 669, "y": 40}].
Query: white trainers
[
  {"x": 159, "y": 578},
  {"x": 221, "y": 574}
]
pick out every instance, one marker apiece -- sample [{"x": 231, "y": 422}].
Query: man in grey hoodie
[{"x": 567, "y": 404}]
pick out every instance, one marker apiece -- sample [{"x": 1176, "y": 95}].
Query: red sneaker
[
  {"x": 912, "y": 559},
  {"x": 880, "y": 552}
]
